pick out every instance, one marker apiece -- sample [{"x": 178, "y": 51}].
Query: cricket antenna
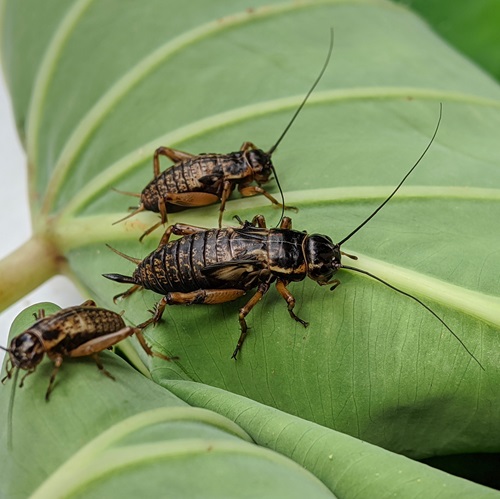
[
  {"x": 400, "y": 183},
  {"x": 273, "y": 148},
  {"x": 11, "y": 408},
  {"x": 281, "y": 194},
  {"x": 419, "y": 302},
  {"x": 137, "y": 261}
]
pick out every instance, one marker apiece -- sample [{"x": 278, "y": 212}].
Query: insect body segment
[
  {"x": 219, "y": 265},
  {"x": 204, "y": 179},
  {"x": 79, "y": 331}
]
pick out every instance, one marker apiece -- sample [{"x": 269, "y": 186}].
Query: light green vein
[
  {"x": 115, "y": 460},
  {"x": 44, "y": 76},
  {"x": 63, "y": 478},
  {"x": 70, "y": 233},
  {"x": 121, "y": 168},
  {"x": 479, "y": 305},
  {"x": 136, "y": 74}
]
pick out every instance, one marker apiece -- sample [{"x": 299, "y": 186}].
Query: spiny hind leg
[
  {"x": 149, "y": 351},
  {"x": 244, "y": 311},
  {"x": 191, "y": 199},
  {"x": 285, "y": 293},
  {"x": 179, "y": 230},
  {"x": 102, "y": 342},
  {"x": 253, "y": 190},
  {"x": 173, "y": 154},
  {"x": 201, "y": 296}
]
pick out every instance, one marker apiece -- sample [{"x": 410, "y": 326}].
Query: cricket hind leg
[
  {"x": 201, "y": 296},
  {"x": 174, "y": 155},
  {"x": 208, "y": 297},
  {"x": 179, "y": 230}
]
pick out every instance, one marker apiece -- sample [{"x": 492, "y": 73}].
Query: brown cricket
[
  {"x": 204, "y": 179},
  {"x": 81, "y": 331}
]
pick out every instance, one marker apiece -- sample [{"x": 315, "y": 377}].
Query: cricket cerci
[
  {"x": 204, "y": 179},
  {"x": 214, "y": 266}
]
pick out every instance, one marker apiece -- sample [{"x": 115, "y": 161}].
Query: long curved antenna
[
  {"x": 419, "y": 302},
  {"x": 273, "y": 148},
  {"x": 11, "y": 410},
  {"x": 400, "y": 183},
  {"x": 137, "y": 261},
  {"x": 281, "y": 194}
]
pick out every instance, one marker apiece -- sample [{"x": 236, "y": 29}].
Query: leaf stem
[{"x": 26, "y": 268}]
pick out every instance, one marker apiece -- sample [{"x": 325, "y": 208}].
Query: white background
[{"x": 15, "y": 225}]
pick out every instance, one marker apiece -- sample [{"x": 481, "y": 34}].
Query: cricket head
[
  {"x": 323, "y": 258},
  {"x": 261, "y": 164},
  {"x": 26, "y": 350}
]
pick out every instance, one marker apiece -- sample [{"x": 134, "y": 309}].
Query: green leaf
[
  {"x": 349, "y": 467},
  {"x": 99, "y": 438},
  {"x": 206, "y": 77},
  {"x": 472, "y": 27}
]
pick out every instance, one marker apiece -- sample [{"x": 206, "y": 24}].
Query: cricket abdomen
[
  {"x": 73, "y": 326},
  {"x": 180, "y": 266}
]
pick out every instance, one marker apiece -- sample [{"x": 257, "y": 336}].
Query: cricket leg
[{"x": 283, "y": 291}]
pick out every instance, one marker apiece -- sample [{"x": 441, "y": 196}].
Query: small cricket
[
  {"x": 203, "y": 179},
  {"x": 80, "y": 331},
  {"x": 213, "y": 266}
]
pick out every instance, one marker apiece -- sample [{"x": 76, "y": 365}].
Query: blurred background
[{"x": 16, "y": 229}]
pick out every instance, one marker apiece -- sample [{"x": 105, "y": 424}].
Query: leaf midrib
[
  {"x": 112, "y": 174},
  {"x": 79, "y": 232}
]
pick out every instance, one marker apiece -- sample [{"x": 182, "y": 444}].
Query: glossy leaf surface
[{"x": 373, "y": 363}]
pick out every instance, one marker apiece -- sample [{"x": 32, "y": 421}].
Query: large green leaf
[{"x": 117, "y": 79}]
